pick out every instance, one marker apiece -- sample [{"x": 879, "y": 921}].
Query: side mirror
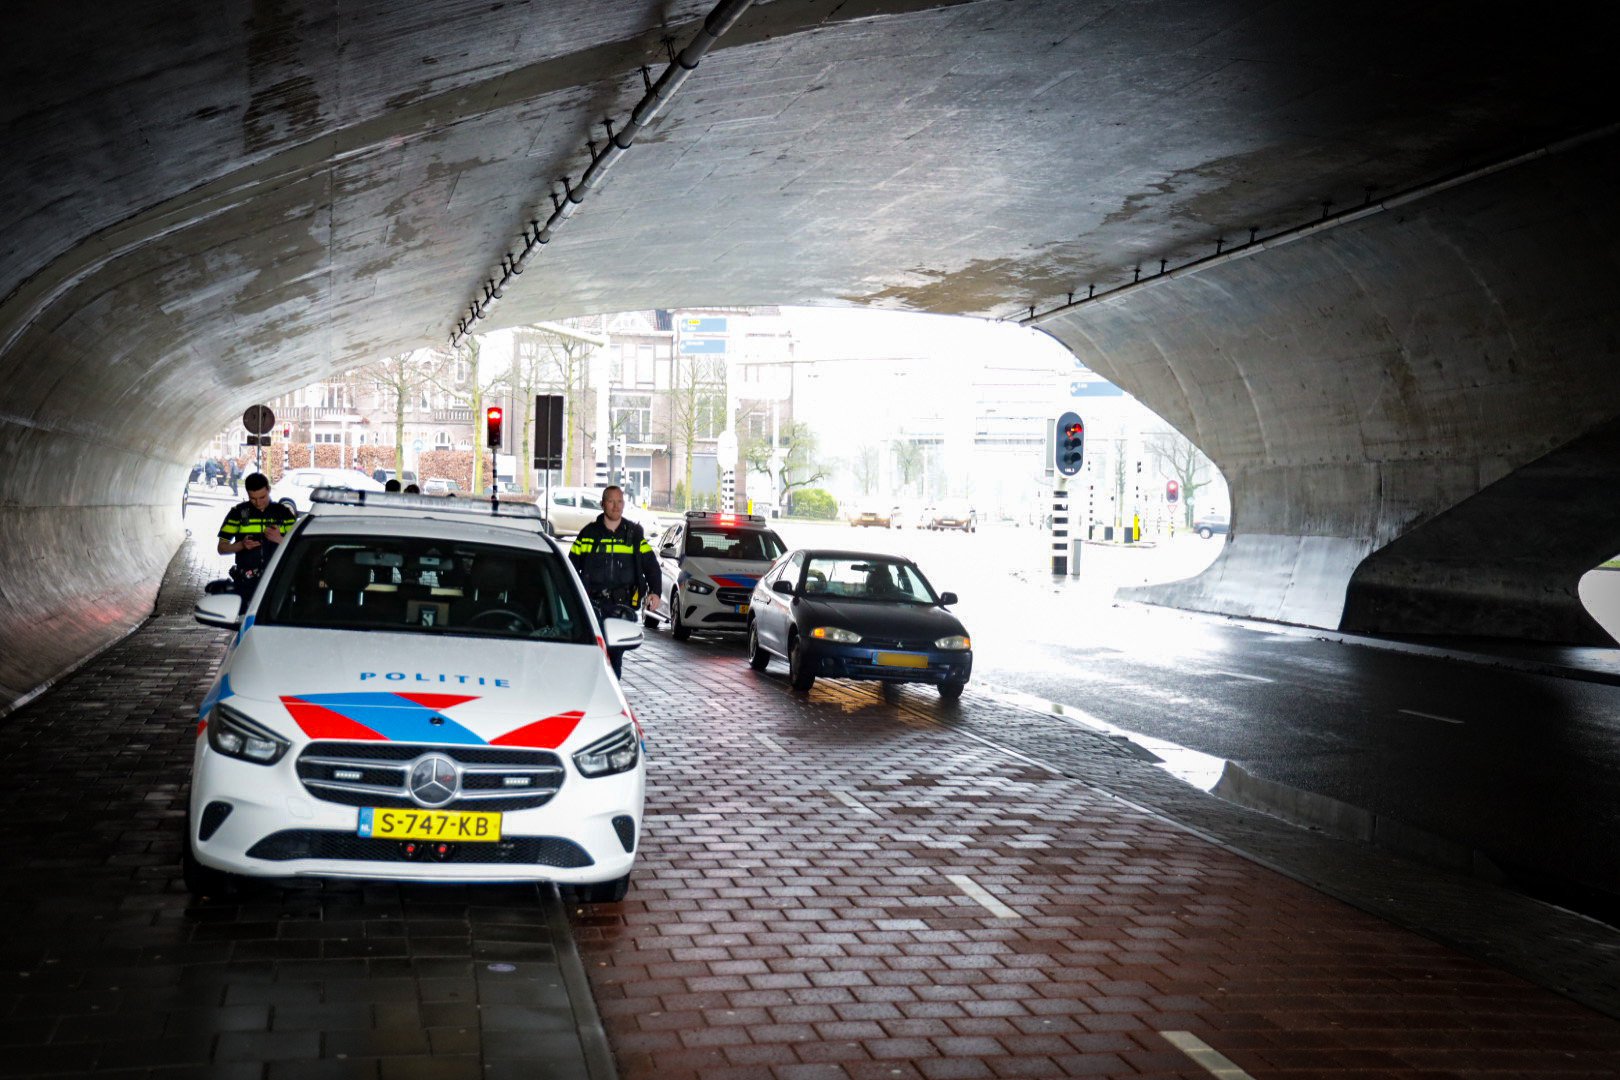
[
  {"x": 783, "y": 586},
  {"x": 667, "y": 551},
  {"x": 223, "y": 610},
  {"x": 946, "y": 599},
  {"x": 621, "y": 635}
]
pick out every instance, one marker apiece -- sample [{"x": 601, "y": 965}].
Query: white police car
[
  {"x": 418, "y": 690},
  {"x": 710, "y": 563}
]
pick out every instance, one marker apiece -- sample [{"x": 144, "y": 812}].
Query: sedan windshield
[
  {"x": 866, "y": 578},
  {"x": 426, "y": 586}
]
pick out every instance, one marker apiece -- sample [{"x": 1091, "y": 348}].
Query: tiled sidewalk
[{"x": 805, "y": 909}]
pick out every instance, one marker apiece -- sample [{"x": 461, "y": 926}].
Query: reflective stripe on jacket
[
  {"x": 243, "y": 520},
  {"x": 615, "y": 558}
]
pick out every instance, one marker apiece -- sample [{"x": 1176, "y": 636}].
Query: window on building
[
  {"x": 441, "y": 439},
  {"x": 632, "y": 417},
  {"x": 645, "y": 370},
  {"x": 711, "y": 415}
]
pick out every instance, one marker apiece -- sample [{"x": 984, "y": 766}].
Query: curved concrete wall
[{"x": 1359, "y": 385}]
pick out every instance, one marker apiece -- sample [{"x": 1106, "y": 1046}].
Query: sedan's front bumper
[{"x": 834, "y": 661}]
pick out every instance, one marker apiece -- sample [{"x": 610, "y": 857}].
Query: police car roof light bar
[
  {"x": 716, "y": 518},
  {"x": 394, "y": 500}
]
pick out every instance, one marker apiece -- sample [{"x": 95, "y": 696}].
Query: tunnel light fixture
[{"x": 658, "y": 94}]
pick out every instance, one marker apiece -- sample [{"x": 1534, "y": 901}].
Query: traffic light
[
  {"x": 1070, "y": 444},
  {"x": 492, "y": 425}
]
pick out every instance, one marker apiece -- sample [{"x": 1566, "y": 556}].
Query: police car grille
[
  {"x": 734, "y": 597},
  {"x": 903, "y": 644},
  {"x": 348, "y": 847},
  {"x": 374, "y": 774}
]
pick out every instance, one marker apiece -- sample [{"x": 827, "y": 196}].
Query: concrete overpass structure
[{"x": 205, "y": 204}]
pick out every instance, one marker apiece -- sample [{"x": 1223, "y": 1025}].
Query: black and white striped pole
[{"x": 1069, "y": 443}]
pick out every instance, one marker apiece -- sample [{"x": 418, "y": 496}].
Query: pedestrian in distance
[
  {"x": 615, "y": 562},
  {"x": 234, "y": 471},
  {"x": 251, "y": 532}
]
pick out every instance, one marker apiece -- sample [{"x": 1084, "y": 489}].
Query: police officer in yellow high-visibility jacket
[
  {"x": 251, "y": 530},
  {"x": 615, "y": 561}
]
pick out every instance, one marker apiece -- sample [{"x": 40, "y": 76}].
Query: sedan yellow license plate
[
  {"x": 899, "y": 659},
  {"x": 742, "y": 609},
  {"x": 467, "y": 826}
]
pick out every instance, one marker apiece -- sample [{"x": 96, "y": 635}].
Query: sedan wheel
[
  {"x": 800, "y": 677},
  {"x": 951, "y": 691},
  {"x": 677, "y": 629},
  {"x": 1205, "y": 533},
  {"x": 758, "y": 658}
]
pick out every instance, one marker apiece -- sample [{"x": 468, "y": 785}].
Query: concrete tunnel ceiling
[{"x": 206, "y": 204}]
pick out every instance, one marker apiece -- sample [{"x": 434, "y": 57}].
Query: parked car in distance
[
  {"x": 438, "y": 485},
  {"x": 857, "y": 615},
  {"x": 872, "y": 514},
  {"x": 382, "y": 476},
  {"x": 293, "y": 489},
  {"x": 570, "y": 509},
  {"x": 1207, "y": 525},
  {"x": 952, "y": 514}
]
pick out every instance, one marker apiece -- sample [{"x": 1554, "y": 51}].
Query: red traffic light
[{"x": 492, "y": 425}]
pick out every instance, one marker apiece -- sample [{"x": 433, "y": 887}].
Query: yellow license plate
[
  {"x": 900, "y": 659},
  {"x": 742, "y": 609},
  {"x": 463, "y": 826}
]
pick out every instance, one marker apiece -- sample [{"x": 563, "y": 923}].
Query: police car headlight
[
  {"x": 699, "y": 587},
  {"x": 234, "y": 735},
  {"x": 616, "y": 753},
  {"x": 955, "y": 642},
  {"x": 836, "y": 633}
]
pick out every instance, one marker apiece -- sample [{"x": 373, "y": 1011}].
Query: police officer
[
  {"x": 251, "y": 530},
  {"x": 615, "y": 561}
]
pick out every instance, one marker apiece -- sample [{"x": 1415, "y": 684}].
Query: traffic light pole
[{"x": 1060, "y": 529}]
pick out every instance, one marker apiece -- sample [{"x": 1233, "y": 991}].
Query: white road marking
[
  {"x": 770, "y": 742},
  {"x": 1240, "y": 675},
  {"x": 852, "y": 802},
  {"x": 1430, "y": 716},
  {"x": 1212, "y": 1060},
  {"x": 979, "y": 894}
]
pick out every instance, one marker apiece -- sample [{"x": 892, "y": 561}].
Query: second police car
[
  {"x": 418, "y": 690},
  {"x": 711, "y": 563}
]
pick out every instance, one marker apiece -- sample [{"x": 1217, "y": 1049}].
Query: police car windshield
[
  {"x": 747, "y": 545},
  {"x": 426, "y": 586}
]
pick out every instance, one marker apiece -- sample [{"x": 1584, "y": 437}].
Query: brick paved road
[
  {"x": 806, "y": 907},
  {"x": 804, "y": 910}
]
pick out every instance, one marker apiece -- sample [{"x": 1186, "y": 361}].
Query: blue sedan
[{"x": 857, "y": 615}]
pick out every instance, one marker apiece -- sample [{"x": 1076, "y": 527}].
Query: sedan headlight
[
  {"x": 616, "y": 753},
  {"x": 700, "y": 587},
  {"x": 955, "y": 642},
  {"x": 234, "y": 735},
  {"x": 836, "y": 633}
]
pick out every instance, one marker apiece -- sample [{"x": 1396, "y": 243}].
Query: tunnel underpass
[{"x": 207, "y": 209}]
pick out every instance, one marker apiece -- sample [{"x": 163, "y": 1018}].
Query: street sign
[
  {"x": 1172, "y": 491},
  {"x": 258, "y": 420},
  {"x": 416, "y": 446}
]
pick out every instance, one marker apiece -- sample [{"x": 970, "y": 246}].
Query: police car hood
[
  {"x": 724, "y": 573},
  {"x": 340, "y": 684}
]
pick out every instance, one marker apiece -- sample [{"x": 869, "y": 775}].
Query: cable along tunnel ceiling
[{"x": 205, "y": 204}]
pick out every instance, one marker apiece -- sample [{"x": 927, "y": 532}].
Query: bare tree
[
  {"x": 800, "y": 469},
  {"x": 866, "y": 468},
  {"x": 1176, "y": 458},
  {"x": 910, "y": 458},
  {"x": 697, "y": 403},
  {"x": 398, "y": 380}
]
